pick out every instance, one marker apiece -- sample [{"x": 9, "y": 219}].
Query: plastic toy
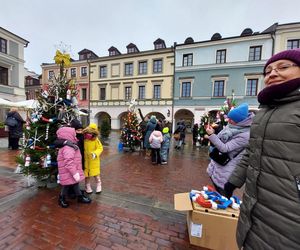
[{"x": 209, "y": 198}]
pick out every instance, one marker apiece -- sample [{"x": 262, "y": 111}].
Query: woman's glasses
[{"x": 279, "y": 68}]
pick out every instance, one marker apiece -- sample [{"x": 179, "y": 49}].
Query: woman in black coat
[{"x": 15, "y": 131}]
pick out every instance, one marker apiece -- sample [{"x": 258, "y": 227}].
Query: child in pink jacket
[
  {"x": 155, "y": 140},
  {"x": 69, "y": 167}
]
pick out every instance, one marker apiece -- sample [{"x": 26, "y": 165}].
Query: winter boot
[
  {"x": 88, "y": 188},
  {"x": 62, "y": 201},
  {"x": 98, "y": 187},
  {"x": 83, "y": 199}
]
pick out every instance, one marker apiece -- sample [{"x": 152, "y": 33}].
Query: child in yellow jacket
[{"x": 92, "y": 151}]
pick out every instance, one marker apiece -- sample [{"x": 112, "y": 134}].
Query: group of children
[
  {"x": 160, "y": 144},
  {"x": 78, "y": 159}
]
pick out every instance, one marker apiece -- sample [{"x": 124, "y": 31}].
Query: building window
[
  {"x": 128, "y": 93},
  {"x": 3, "y": 45},
  {"x": 156, "y": 91},
  {"x": 157, "y": 66},
  {"x": 128, "y": 69},
  {"x": 142, "y": 68},
  {"x": 142, "y": 93},
  {"x": 83, "y": 94},
  {"x": 3, "y": 76},
  {"x": 252, "y": 87},
  {"x": 131, "y": 50},
  {"x": 103, "y": 71},
  {"x": 159, "y": 46},
  {"x": 186, "y": 89},
  {"x": 255, "y": 53},
  {"x": 102, "y": 93},
  {"x": 83, "y": 71},
  {"x": 50, "y": 74},
  {"x": 293, "y": 44},
  {"x": 73, "y": 72},
  {"x": 221, "y": 56},
  {"x": 187, "y": 60},
  {"x": 218, "y": 88}
]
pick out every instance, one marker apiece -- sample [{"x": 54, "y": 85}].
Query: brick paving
[{"x": 134, "y": 210}]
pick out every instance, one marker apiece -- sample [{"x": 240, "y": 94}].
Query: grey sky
[{"x": 99, "y": 24}]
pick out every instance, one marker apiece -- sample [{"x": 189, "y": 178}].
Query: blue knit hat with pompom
[{"x": 239, "y": 113}]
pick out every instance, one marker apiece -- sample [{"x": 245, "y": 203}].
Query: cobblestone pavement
[{"x": 134, "y": 211}]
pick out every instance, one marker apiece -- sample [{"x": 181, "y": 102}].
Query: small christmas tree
[
  {"x": 229, "y": 104},
  {"x": 131, "y": 132},
  {"x": 105, "y": 128},
  {"x": 57, "y": 105},
  {"x": 204, "y": 122}
]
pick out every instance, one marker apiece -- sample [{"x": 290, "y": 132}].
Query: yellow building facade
[
  {"x": 287, "y": 36},
  {"x": 143, "y": 77}
]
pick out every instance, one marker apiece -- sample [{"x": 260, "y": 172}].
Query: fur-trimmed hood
[{"x": 90, "y": 130}]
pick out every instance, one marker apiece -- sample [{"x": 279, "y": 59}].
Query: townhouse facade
[
  {"x": 145, "y": 77},
  {"x": 32, "y": 84},
  {"x": 208, "y": 72},
  {"x": 78, "y": 71},
  {"x": 286, "y": 36},
  {"x": 11, "y": 67}
]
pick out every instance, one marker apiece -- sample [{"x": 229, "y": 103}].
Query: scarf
[
  {"x": 272, "y": 93},
  {"x": 231, "y": 130}
]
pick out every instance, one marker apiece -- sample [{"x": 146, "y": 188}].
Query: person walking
[
  {"x": 270, "y": 169},
  {"x": 232, "y": 140},
  {"x": 69, "y": 167},
  {"x": 15, "y": 122},
  {"x": 195, "y": 132},
  {"x": 181, "y": 131}
]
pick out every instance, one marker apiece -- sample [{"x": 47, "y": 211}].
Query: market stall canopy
[
  {"x": 6, "y": 103},
  {"x": 28, "y": 104}
]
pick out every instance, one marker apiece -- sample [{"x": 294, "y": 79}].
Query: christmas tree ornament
[
  {"x": 67, "y": 102},
  {"x": 61, "y": 114},
  {"x": 27, "y": 125},
  {"x": 68, "y": 94},
  {"x": 45, "y": 94},
  {"x": 47, "y": 161},
  {"x": 29, "y": 142},
  {"x": 61, "y": 58},
  {"x": 74, "y": 101},
  {"x": 47, "y": 132},
  {"x": 27, "y": 161},
  {"x": 34, "y": 117}
]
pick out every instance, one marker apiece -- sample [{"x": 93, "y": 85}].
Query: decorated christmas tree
[
  {"x": 131, "y": 132},
  {"x": 57, "y": 106},
  {"x": 204, "y": 122},
  {"x": 217, "y": 122},
  {"x": 229, "y": 104}
]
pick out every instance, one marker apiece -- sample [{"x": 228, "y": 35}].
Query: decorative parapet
[{"x": 145, "y": 102}]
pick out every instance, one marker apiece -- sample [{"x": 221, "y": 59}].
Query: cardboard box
[{"x": 213, "y": 229}]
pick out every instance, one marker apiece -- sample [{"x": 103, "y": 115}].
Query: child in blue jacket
[{"x": 165, "y": 145}]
